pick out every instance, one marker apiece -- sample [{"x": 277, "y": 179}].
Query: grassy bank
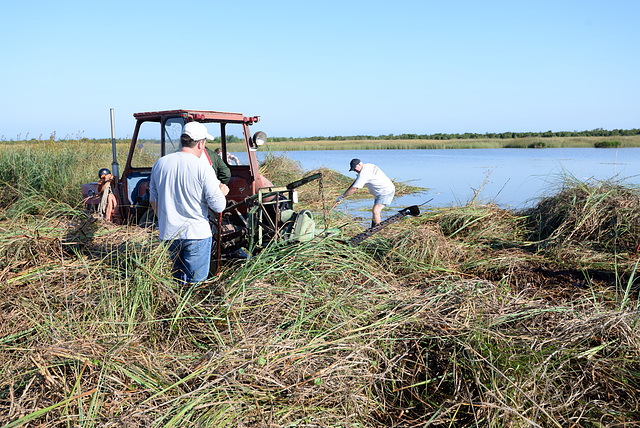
[
  {"x": 464, "y": 316},
  {"x": 479, "y": 143},
  {"x": 104, "y": 146}
]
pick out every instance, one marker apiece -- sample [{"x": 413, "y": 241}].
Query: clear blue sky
[{"x": 322, "y": 68}]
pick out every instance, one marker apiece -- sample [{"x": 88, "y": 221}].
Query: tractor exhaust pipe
[{"x": 115, "y": 168}]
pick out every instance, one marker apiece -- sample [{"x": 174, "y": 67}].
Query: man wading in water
[{"x": 377, "y": 183}]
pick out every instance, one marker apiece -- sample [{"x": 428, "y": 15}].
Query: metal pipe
[{"x": 115, "y": 168}]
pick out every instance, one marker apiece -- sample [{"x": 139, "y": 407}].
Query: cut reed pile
[
  {"x": 319, "y": 334},
  {"x": 427, "y": 323},
  {"x": 604, "y": 215}
]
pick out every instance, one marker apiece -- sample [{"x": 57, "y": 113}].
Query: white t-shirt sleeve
[{"x": 361, "y": 180}]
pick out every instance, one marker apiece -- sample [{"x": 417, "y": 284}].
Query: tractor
[{"x": 257, "y": 212}]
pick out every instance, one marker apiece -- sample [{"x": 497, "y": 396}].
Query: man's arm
[
  {"x": 153, "y": 192},
  {"x": 234, "y": 158},
  {"x": 214, "y": 191},
  {"x": 350, "y": 191}
]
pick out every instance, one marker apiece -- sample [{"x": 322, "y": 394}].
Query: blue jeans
[
  {"x": 191, "y": 259},
  {"x": 384, "y": 199}
]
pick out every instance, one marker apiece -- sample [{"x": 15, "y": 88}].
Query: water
[{"x": 511, "y": 178}]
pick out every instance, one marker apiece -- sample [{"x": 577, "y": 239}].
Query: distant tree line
[
  {"x": 230, "y": 139},
  {"x": 598, "y": 132}
]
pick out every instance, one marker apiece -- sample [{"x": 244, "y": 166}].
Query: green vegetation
[
  {"x": 549, "y": 139},
  {"x": 598, "y": 132},
  {"x": 606, "y": 144},
  {"x": 473, "y": 136},
  {"x": 466, "y": 316},
  {"x": 276, "y": 144},
  {"x": 55, "y": 169}
]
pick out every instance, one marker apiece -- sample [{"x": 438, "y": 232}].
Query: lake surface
[{"x": 511, "y": 178}]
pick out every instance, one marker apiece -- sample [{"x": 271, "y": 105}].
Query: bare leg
[
  {"x": 377, "y": 210},
  {"x": 111, "y": 207}
]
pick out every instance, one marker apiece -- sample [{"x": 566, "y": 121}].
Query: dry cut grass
[
  {"x": 465, "y": 316},
  {"x": 402, "y": 331},
  {"x": 605, "y": 214}
]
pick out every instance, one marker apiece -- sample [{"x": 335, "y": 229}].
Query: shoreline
[{"x": 534, "y": 143}]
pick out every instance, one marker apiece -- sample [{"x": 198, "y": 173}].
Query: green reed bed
[
  {"x": 54, "y": 170},
  {"x": 474, "y": 239},
  {"x": 466, "y": 143}
]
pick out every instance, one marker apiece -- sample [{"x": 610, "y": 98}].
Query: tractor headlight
[{"x": 259, "y": 138}]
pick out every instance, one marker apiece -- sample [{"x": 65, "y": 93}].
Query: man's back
[
  {"x": 376, "y": 181},
  {"x": 183, "y": 187}
]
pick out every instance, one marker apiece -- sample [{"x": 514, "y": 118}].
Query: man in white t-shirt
[
  {"x": 377, "y": 183},
  {"x": 181, "y": 191}
]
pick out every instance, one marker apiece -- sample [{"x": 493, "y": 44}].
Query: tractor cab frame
[
  {"x": 157, "y": 134},
  {"x": 257, "y": 212}
]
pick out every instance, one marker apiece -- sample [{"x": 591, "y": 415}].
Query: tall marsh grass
[
  {"x": 479, "y": 143},
  {"x": 53, "y": 170},
  {"x": 602, "y": 214},
  {"x": 465, "y": 316}
]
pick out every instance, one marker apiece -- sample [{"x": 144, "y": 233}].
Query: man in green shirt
[{"x": 221, "y": 169}]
